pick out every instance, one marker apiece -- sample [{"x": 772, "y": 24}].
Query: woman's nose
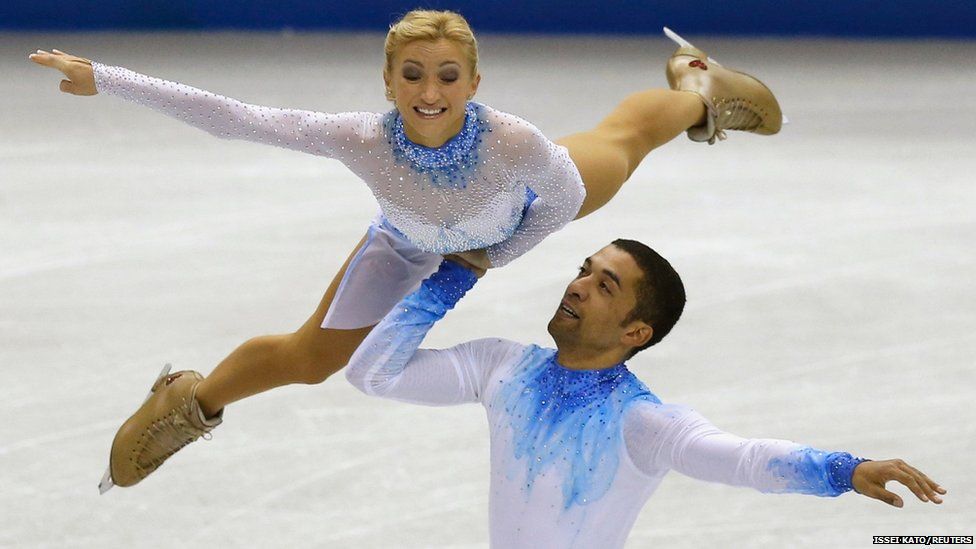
[{"x": 430, "y": 93}]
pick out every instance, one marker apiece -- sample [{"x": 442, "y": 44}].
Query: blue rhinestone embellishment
[{"x": 449, "y": 165}]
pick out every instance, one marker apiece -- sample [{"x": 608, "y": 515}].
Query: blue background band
[{"x": 859, "y": 18}]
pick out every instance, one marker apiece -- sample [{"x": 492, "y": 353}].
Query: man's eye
[{"x": 604, "y": 286}]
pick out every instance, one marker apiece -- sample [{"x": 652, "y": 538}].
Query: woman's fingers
[
  {"x": 80, "y": 78},
  {"x": 67, "y": 86},
  {"x": 42, "y": 57}
]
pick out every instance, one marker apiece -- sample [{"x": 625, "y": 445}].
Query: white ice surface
[{"x": 829, "y": 269}]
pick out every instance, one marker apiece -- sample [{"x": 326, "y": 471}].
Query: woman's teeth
[{"x": 429, "y": 112}]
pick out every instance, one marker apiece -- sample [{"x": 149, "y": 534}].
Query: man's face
[{"x": 596, "y": 303}]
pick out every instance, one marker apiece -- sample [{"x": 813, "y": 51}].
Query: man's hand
[
  {"x": 870, "y": 478},
  {"x": 474, "y": 260},
  {"x": 79, "y": 76}
]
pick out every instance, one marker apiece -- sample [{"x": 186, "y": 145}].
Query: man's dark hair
[{"x": 660, "y": 293}]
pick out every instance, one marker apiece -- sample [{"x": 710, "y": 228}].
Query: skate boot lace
[
  {"x": 736, "y": 114},
  {"x": 168, "y": 434}
]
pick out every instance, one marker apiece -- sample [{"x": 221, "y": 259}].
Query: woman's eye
[
  {"x": 411, "y": 74},
  {"x": 449, "y": 78}
]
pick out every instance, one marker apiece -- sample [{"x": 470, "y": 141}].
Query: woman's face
[{"x": 431, "y": 83}]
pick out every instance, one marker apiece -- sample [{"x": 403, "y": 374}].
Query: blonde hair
[{"x": 432, "y": 25}]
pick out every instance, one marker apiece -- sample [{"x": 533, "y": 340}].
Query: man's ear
[{"x": 637, "y": 334}]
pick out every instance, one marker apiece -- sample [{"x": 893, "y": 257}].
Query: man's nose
[{"x": 577, "y": 289}]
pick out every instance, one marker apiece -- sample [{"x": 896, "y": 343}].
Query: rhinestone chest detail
[{"x": 449, "y": 165}]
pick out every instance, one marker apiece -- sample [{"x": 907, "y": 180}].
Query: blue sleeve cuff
[
  {"x": 450, "y": 282},
  {"x": 840, "y": 470}
]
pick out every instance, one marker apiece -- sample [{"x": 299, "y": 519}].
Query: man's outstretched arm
[
  {"x": 674, "y": 437},
  {"x": 390, "y": 364}
]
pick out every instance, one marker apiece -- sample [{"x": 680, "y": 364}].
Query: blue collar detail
[
  {"x": 451, "y": 163},
  {"x": 569, "y": 420}
]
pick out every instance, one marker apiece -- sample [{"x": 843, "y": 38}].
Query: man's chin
[{"x": 559, "y": 326}]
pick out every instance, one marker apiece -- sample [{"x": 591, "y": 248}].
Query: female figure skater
[{"x": 451, "y": 176}]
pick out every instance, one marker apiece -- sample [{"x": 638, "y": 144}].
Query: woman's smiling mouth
[{"x": 429, "y": 112}]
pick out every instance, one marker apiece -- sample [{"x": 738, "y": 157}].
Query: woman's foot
[
  {"x": 166, "y": 422},
  {"x": 734, "y": 100}
]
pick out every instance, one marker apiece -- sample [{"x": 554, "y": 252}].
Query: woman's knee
[{"x": 314, "y": 355}]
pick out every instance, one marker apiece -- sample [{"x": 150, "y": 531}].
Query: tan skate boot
[
  {"x": 734, "y": 100},
  {"x": 168, "y": 420}
]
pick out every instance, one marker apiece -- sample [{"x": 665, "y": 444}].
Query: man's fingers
[
  {"x": 931, "y": 488},
  {"x": 890, "y": 498},
  {"x": 477, "y": 270},
  {"x": 871, "y": 477},
  {"x": 934, "y": 485},
  {"x": 917, "y": 482},
  {"x": 476, "y": 257},
  {"x": 908, "y": 479}
]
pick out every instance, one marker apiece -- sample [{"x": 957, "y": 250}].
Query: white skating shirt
[
  {"x": 574, "y": 454},
  {"x": 470, "y": 193}
]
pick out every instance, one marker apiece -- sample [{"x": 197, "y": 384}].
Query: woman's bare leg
[
  {"x": 610, "y": 152},
  {"x": 309, "y": 355}
]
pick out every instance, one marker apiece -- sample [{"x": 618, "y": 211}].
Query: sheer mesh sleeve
[
  {"x": 661, "y": 437},
  {"x": 550, "y": 173},
  {"x": 307, "y": 131}
]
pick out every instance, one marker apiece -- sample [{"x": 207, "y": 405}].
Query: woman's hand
[{"x": 79, "y": 76}]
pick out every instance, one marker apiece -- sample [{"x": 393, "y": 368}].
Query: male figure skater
[{"x": 578, "y": 443}]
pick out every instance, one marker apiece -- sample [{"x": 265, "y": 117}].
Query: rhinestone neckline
[{"x": 449, "y": 164}]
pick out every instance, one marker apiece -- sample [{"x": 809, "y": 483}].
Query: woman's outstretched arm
[{"x": 313, "y": 132}]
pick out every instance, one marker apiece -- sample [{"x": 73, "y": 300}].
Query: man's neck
[{"x": 582, "y": 359}]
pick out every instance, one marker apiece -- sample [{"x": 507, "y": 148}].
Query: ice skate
[
  {"x": 169, "y": 419},
  {"x": 734, "y": 100}
]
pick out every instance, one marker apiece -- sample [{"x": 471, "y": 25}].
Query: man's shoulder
[
  {"x": 506, "y": 350},
  {"x": 637, "y": 389},
  {"x": 497, "y": 344}
]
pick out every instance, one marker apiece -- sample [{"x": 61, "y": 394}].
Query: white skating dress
[{"x": 499, "y": 184}]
